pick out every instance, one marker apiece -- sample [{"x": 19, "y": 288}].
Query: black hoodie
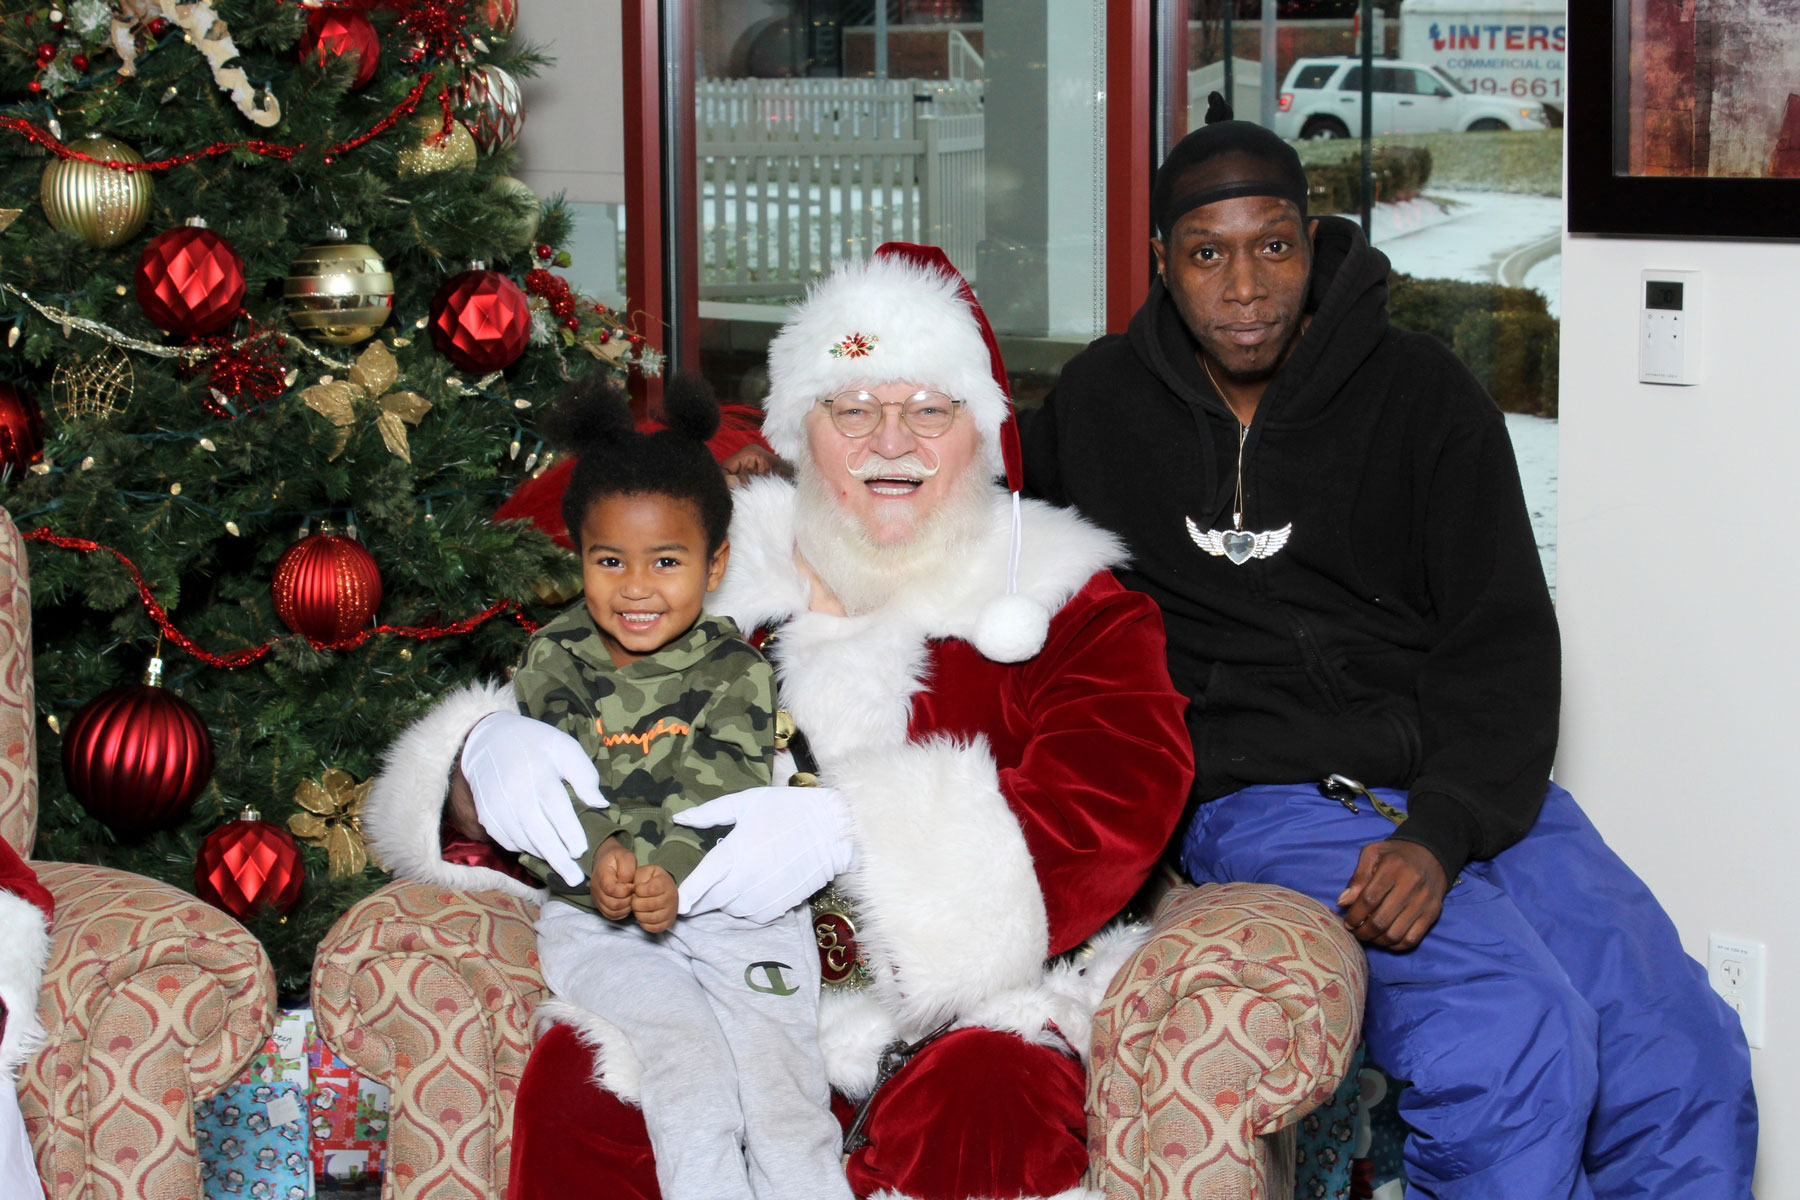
[{"x": 1404, "y": 635}]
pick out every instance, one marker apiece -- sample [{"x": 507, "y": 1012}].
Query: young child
[{"x": 676, "y": 709}]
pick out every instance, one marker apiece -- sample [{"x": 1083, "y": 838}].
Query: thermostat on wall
[{"x": 1669, "y": 330}]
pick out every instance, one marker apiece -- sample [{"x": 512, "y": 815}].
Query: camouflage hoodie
[{"x": 691, "y": 722}]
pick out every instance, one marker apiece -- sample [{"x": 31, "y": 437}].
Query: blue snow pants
[{"x": 1558, "y": 1040}]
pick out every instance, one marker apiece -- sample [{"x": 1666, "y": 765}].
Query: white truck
[{"x": 1507, "y": 48}]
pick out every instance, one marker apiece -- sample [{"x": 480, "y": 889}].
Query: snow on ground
[
  {"x": 1468, "y": 235},
  {"x": 1534, "y": 445}
]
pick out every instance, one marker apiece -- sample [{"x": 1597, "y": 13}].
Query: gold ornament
[
  {"x": 9, "y": 215},
  {"x": 518, "y": 196},
  {"x": 339, "y": 292},
  {"x": 101, "y": 206},
  {"x": 96, "y": 386},
  {"x": 432, "y": 153},
  {"x": 333, "y": 819},
  {"x": 370, "y": 378}
]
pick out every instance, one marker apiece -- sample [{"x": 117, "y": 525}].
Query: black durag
[{"x": 1221, "y": 160}]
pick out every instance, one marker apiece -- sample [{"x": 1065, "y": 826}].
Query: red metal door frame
[{"x": 1130, "y": 131}]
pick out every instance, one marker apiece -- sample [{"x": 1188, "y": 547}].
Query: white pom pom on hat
[{"x": 907, "y": 314}]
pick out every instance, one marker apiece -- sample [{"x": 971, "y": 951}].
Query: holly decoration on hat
[{"x": 248, "y": 865}]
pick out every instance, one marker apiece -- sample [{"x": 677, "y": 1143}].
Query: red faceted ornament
[
  {"x": 342, "y": 31},
  {"x": 248, "y": 865},
  {"x": 502, "y": 15},
  {"x": 480, "y": 321},
  {"x": 190, "y": 281},
  {"x": 137, "y": 756},
  {"x": 21, "y": 429},
  {"x": 327, "y": 588}
]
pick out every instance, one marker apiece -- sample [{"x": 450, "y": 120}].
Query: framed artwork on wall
[{"x": 1684, "y": 118}]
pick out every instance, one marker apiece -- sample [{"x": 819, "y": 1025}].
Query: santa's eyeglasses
[{"x": 857, "y": 414}]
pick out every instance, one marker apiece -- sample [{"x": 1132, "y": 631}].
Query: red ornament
[
  {"x": 34, "y": 87},
  {"x": 190, "y": 281},
  {"x": 79, "y": 62},
  {"x": 244, "y": 374},
  {"x": 326, "y": 588},
  {"x": 137, "y": 756},
  {"x": 159, "y": 26},
  {"x": 46, "y": 51},
  {"x": 21, "y": 429},
  {"x": 480, "y": 321},
  {"x": 543, "y": 250},
  {"x": 502, "y": 15},
  {"x": 248, "y": 865},
  {"x": 339, "y": 31}
]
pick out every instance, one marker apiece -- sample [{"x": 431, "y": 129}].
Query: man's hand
[
  {"x": 750, "y": 462},
  {"x": 516, "y": 768},
  {"x": 1395, "y": 895},
  {"x": 613, "y": 880},
  {"x": 653, "y": 899},
  {"x": 788, "y": 843}
]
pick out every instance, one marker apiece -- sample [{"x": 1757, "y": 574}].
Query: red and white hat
[{"x": 908, "y": 315}]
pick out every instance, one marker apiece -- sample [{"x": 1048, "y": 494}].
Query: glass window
[
  {"x": 824, "y": 128},
  {"x": 1313, "y": 76}
]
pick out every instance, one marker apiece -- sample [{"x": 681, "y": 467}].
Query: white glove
[
  {"x": 516, "y": 767},
  {"x": 788, "y": 843}
]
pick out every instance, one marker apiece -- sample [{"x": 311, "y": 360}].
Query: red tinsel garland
[
  {"x": 242, "y": 658},
  {"x": 45, "y": 139}
]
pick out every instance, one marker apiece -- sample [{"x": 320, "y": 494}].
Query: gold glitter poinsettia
[
  {"x": 374, "y": 373},
  {"x": 333, "y": 819}
]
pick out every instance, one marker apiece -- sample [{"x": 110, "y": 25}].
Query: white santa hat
[{"x": 907, "y": 315}]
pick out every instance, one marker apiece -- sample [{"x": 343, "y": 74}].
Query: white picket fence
[{"x": 796, "y": 176}]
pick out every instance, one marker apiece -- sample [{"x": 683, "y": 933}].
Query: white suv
[{"x": 1322, "y": 98}]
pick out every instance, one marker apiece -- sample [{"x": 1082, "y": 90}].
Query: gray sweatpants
[{"x": 724, "y": 1016}]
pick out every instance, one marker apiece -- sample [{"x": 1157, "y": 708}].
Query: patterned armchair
[
  {"x": 150, "y": 999},
  {"x": 1237, "y": 1017}
]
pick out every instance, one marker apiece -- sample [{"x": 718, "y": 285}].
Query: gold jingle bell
[
  {"x": 339, "y": 292},
  {"x": 97, "y": 204},
  {"x": 429, "y": 155}
]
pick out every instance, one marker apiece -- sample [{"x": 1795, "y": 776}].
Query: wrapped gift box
[
  {"x": 254, "y": 1143},
  {"x": 349, "y": 1121}
]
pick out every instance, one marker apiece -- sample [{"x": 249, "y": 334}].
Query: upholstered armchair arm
[
  {"x": 432, "y": 992},
  {"x": 151, "y": 999},
  {"x": 1236, "y": 1018}
]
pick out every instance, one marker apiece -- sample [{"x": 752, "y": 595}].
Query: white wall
[
  {"x": 1677, "y": 582},
  {"x": 574, "y": 137}
]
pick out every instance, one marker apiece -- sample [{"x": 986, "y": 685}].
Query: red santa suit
[
  {"x": 1013, "y": 759},
  {"x": 1004, "y": 813}
]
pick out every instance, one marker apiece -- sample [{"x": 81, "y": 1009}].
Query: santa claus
[{"x": 1000, "y": 756}]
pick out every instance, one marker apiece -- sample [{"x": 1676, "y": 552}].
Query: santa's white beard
[{"x": 864, "y": 573}]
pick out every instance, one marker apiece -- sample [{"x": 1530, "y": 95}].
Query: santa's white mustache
[{"x": 907, "y": 466}]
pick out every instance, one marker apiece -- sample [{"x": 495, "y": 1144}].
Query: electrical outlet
[{"x": 1736, "y": 967}]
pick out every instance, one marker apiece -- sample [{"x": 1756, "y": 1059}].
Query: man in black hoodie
[{"x": 1328, "y": 511}]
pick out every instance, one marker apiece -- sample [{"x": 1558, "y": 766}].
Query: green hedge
[
  {"x": 1396, "y": 171},
  {"x": 1506, "y": 335}
]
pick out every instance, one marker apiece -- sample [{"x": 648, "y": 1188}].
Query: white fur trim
[
  {"x": 24, "y": 949},
  {"x": 405, "y": 808},
  {"x": 1079, "y": 1193},
  {"x": 923, "y": 333},
  {"x": 949, "y": 912},
  {"x": 853, "y": 1031},
  {"x": 1011, "y": 628},
  {"x": 616, "y": 1067}
]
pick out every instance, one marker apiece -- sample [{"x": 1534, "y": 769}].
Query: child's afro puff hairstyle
[{"x": 592, "y": 420}]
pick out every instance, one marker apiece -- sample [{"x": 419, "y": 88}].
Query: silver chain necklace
[{"x": 1235, "y": 544}]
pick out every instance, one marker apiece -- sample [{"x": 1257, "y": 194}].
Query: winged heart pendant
[{"x": 1239, "y": 545}]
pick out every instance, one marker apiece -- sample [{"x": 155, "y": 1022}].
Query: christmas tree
[{"x": 319, "y": 368}]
